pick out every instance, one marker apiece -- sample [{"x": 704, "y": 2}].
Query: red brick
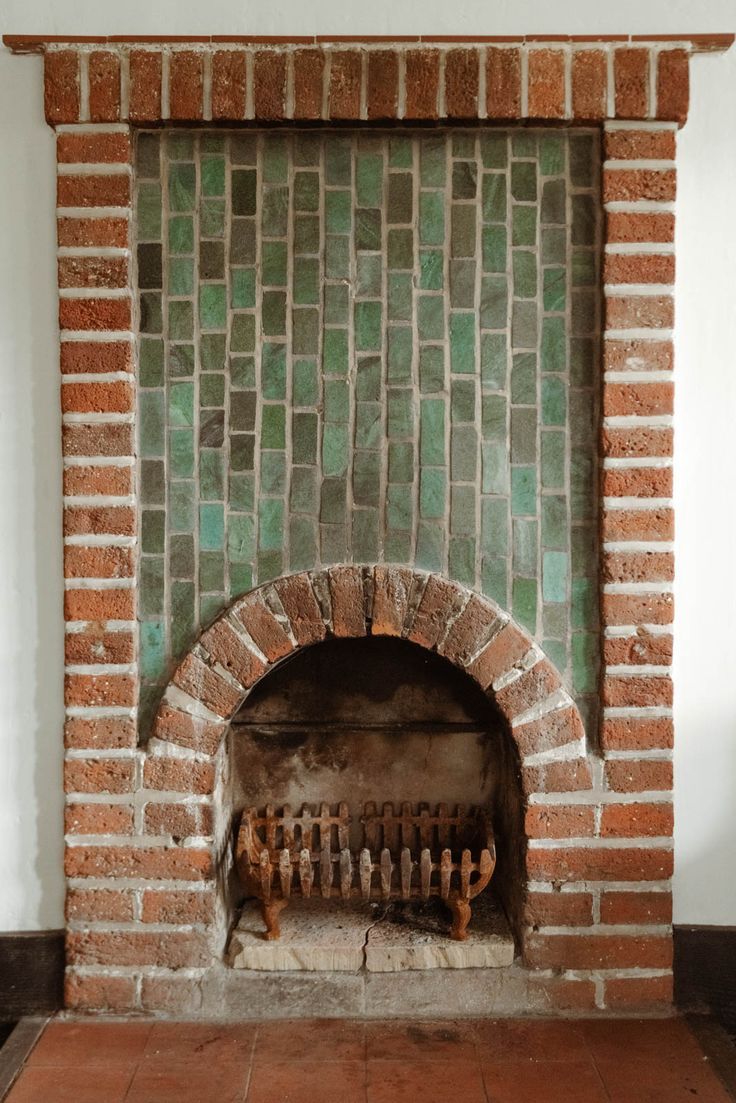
[
  {"x": 98, "y": 819},
  {"x": 599, "y": 864},
  {"x": 93, "y": 190},
  {"x": 186, "y": 85},
  {"x": 634, "y": 355},
  {"x": 269, "y": 85},
  {"x": 89, "y": 232},
  {"x": 145, "y": 86},
  {"x": 99, "y": 647},
  {"x": 639, "y": 268},
  {"x": 225, "y": 646},
  {"x": 95, "y": 314},
  {"x": 61, "y": 86},
  {"x": 636, "y": 821},
  {"x": 181, "y": 821},
  {"x": 469, "y": 632},
  {"x": 673, "y": 85},
  {"x": 391, "y": 589},
  {"x": 99, "y": 605},
  {"x": 94, "y": 148},
  {"x": 300, "y": 605},
  {"x": 102, "y": 733},
  {"x": 637, "y": 608},
  {"x": 638, "y": 566},
  {"x": 499, "y": 655},
  {"x": 99, "y": 775},
  {"x": 180, "y": 775},
  {"x": 177, "y": 907},
  {"x": 564, "y": 993},
  {"x": 345, "y": 80},
  {"x": 559, "y": 909},
  {"x": 637, "y": 993},
  {"x": 80, "y": 562},
  {"x": 532, "y": 687},
  {"x": 97, "y": 440},
  {"x": 228, "y": 85},
  {"x": 546, "y": 84},
  {"x": 383, "y": 84},
  {"x": 92, "y": 271},
  {"x": 348, "y": 602},
  {"x": 104, "y": 86},
  {"x": 440, "y": 602},
  {"x": 627, "y": 443},
  {"x": 557, "y": 777},
  {"x": 112, "y": 905},
  {"x": 99, "y": 398},
  {"x": 632, "y": 145},
  {"x": 177, "y": 863},
  {"x": 636, "y": 184},
  {"x": 503, "y": 83},
  {"x": 263, "y": 628},
  {"x": 643, "y": 647},
  {"x": 636, "y": 226},
  {"x": 554, "y": 729},
  {"x": 635, "y": 733},
  {"x": 81, "y": 520},
  {"x": 638, "y": 524},
  {"x": 173, "y": 726},
  {"x": 206, "y": 685},
  {"x": 96, "y": 356},
  {"x": 639, "y": 399},
  {"x": 636, "y": 907},
  {"x": 99, "y": 690},
  {"x": 93, "y": 479},
  {"x": 589, "y": 84},
  {"x": 422, "y": 82},
  {"x": 631, "y": 83},
  {"x": 597, "y": 952},
  {"x": 639, "y": 776},
  {"x": 309, "y": 68},
  {"x": 177, "y": 995},
  {"x": 89, "y": 992},
  {"x": 640, "y": 312},
  {"x": 559, "y": 821},
  {"x": 462, "y": 76},
  {"x": 164, "y": 949}
]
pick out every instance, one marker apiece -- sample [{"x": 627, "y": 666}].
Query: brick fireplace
[{"x": 364, "y": 342}]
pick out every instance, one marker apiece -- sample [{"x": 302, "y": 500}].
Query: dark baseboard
[
  {"x": 31, "y": 973},
  {"x": 705, "y": 972}
]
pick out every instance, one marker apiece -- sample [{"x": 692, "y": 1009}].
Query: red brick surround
[{"x": 144, "y": 829}]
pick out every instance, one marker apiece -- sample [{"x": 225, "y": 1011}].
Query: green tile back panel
[{"x": 369, "y": 347}]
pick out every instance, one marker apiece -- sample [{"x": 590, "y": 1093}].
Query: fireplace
[{"x": 367, "y": 390}]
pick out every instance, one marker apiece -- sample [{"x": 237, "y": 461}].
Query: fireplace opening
[{"x": 393, "y": 748}]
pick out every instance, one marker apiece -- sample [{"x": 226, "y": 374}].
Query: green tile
[
  {"x": 242, "y": 288},
  {"x": 211, "y": 475},
  {"x": 494, "y": 302},
  {"x": 463, "y": 453},
  {"x": 400, "y": 413},
  {"x": 151, "y": 362},
  {"x": 211, "y": 526},
  {"x": 554, "y": 202},
  {"x": 240, "y": 538},
  {"x": 153, "y": 485},
  {"x": 432, "y": 431},
  {"x": 463, "y": 400},
  {"x": 461, "y": 560},
  {"x": 333, "y": 501},
  {"x": 273, "y": 313},
  {"x": 524, "y": 180},
  {"x": 181, "y": 361},
  {"x": 182, "y": 187},
  {"x": 368, "y": 426},
  {"x": 275, "y": 161},
  {"x": 180, "y": 145},
  {"x": 336, "y": 400},
  {"x": 306, "y": 234},
  {"x": 152, "y": 645},
  {"x": 430, "y": 547},
  {"x": 368, "y": 230},
  {"x": 305, "y": 384},
  {"x": 338, "y": 160},
  {"x": 211, "y": 572},
  {"x": 493, "y": 195},
  {"x": 524, "y": 325},
  {"x": 524, "y": 225},
  {"x": 400, "y": 291},
  {"x": 494, "y": 149},
  {"x": 554, "y": 345},
  {"x": 553, "y": 460},
  {"x": 306, "y": 191},
  {"x": 213, "y": 306},
  {"x": 303, "y": 543},
  {"x": 523, "y": 143},
  {"x": 181, "y": 453},
  {"x": 213, "y": 175},
  {"x": 335, "y": 449},
  {"x": 369, "y": 179},
  {"x": 554, "y": 400},
  {"x": 368, "y": 378},
  {"x": 462, "y": 283},
  {"x": 494, "y": 580},
  {"x": 554, "y": 289},
  {"x": 432, "y": 161},
  {"x": 307, "y": 147},
  {"x": 338, "y": 212},
  {"x": 182, "y": 506},
  {"x": 493, "y": 360},
  {"x": 494, "y": 526},
  {"x": 554, "y": 576},
  {"x": 212, "y": 351},
  {"x": 366, "y": 478},
  {"x": 523, "y": 491},
  {"x": 180, "y": 276},
  {"x": 432, "y": 493},
  {"x": 153, "y": 531},
  {"x": 399, "y": 506},
  {"x": 584, "y": 268},
  {"x": 242, "y": 372},
  {"x": 400, "y": 249},
  {"x": 273, "y": 426},
  {"x": 270, "y": 524},
  {"x": 524, "y": 547},
  {"x": 368, "y": 325},
  {"x": 431, "y": 218},
  {"x": 181, "y": 404},
  {"x": 274, "y": 211},
  {"x": 554, "y": 245},
  {"x": 552, "y": 149},
  {"x": 273, "y": 473},
  {"x": 273, "y": 370},
  {"x": 524, "y": 602},
  {"x": 464, "y": 180},
  {"x": 400, "y": 350},
  {"x": 181, "y": 234},
  {"x": 523, "y": 435},
  {"x": 181, "y": 321},
  {"x": 494, "y": 245},
  {"x": 273, "y": 263},
  {"x": 431, "y": 317},
  {"x": 366, "y": 535},
  {"x": 431, "y": 369},
  {"x": 242, "y": 411},
  {"x": 148, "y": 155},
  {"x": 585, "y": 662},
  {"x": 151, "y": 317},
  {"x": 431, "y": 269},
  {"x": 335, "y": 352},
  {"x": 370, "y": 277},
  {"x": 212, "y": 217},
  {"x": 401, "y": 464},
  {"x": 554, "y": 521},
  {"x": 400, "y": 151},
  {"x": 525, "y": 275},
  {"x": 151, "y": 588},
  {"x": 306, "y": 280},
  {"x": 399, "y": 201},
  {"x": 337, "y": 257},
  {"x": 463, "y": 511},
  {"x": 556, "y": 652},
  {"x": 304, "y": 497},
  {"x": 463, "y": 230},
  {"x": 333, "y": 541},
  {"x": 462, "y": 342},
  {"x": 241, "y": 492},
  {"x": 305, "y": 331}
]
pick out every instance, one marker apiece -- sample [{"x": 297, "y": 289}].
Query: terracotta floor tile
[
  {"x": 418, "y": 1041},
  {"x": 90, "y": 1043},
  {"x": 208, "y": 1041},
  {"x": 48, "y": 1084},
  {"x": 661, "y": 1081},
  {"x": 424, "y": 1082},
  {"x": 196, "y": 1080},
  {"x": 308, "y": 1082},
  {"x": 530, "y": 1040},
  {"x": 310, "y": 1040},
  {"x": 641, "y": 1038},
  {"x": 543, "y": 1082}
]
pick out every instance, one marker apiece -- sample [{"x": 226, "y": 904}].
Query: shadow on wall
[{"x": 31, "y": 642}]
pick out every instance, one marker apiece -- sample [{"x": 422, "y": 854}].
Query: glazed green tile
[
  {"x": 431, "y": 317},
  {"x": 582, "y": 159},
  {"x": 553, "y": 459},
  {"x": 400, "y": 347},
  {"x": 213, "y": 175},
  {"x": 400, "y": 154},
  {"x": 336, "y": 304},
  {"x": 582, "y": 361},
  {"x": 432, "y": 431},
  {"x": 151, "y": 316},
  {"x": 432, "y": 161},
  {"x": 524, "y": 602},
  {"x": 523, "y": 491},
  {"x": 242, "y": 372},
  {"x": 523, "y": 143},
  {"x": 241, "y": 492},
  {"x": 181, "y": 321},
  {"x": 211, "y": 260},
  {"x": 582, "y": 468},
  {"x": 212, "y": 217},
  {"x": 494, "y": 302},
  {"x": 152, "y": 422},
  {"x": 584, "y": 602},
  {"x": 553, "y": 345},
  {"x": 494, "y": 580},
  {"x": 431, "y": 218},
  {"x": 554, "y": 289},
  {"x": 337, "y": 257},
  {"x": 463, "y": 144},
  {"x": 180, "y": 276},
  {"x": 306, "y": 191},
  {"x": 212, "y": 351},
  {"x": 366, "y": 478},
  {"x": 273, "y": 426},
  {"x": 275, "y": 161},
  {"x": 153, "y": 483},
  {"x": 305, "y": 383},
  {"x": 242, "y": 288},
  {"x": 555, "y": 621},
  {"x": 336, "y": 400},
  {"x": 365, "y": 538},
  {"x": 270, "y": 564},
  {"x": 554, "y": 245},
  {"x": 462, "y": 400},
  {"x": 494, "y": 467},
  {"x": 397, "y": 546},
  {"x": 462, "y": 510},
  {"x": 273, "y": 370},
  {"x": 400, "y": 292},
  {"x": 464, "y": 180},
  {"x": 494, "y": 149},
  {"x": 369, "y": 278},
  {"x": 432, "y": 493},
  {"x": 151, "y": 362},
  {"x": 212, "y": 142},
  {"x": 430, "y": 552},
  {"x": 306, "y": 280},
  {"x": 524, "y": 180},
  {"x": 461, "y": 560},
  {"x": 399, "y": 506},
  {"x": 493, "y": 197},
  {"x": 182, "y": 506},
  {"x": 584, "y": 268},
  {"x": 153, "y": 531},
  {"x": 554, "y": 401},
  {"x": 242, "y": 411},
  {"x": 275, "y": 211},
  {"x": 524, "y": 324},
  {"x": 213, "y": 306},
  {"x": 493, "y": 361},
  {"x": 242, "y": 241},
  {"x": 338, "y": 159},
  {"x": 524, "y": 378},
  {"x": 525, "y": 274},
  {"x": 463, "y": 231},
  {"x": 335, "y": 352},
  {"x": 305, "y": 330},
  {"x": 303, "y": 543},
  {"x": 584, "y": 662},
  {"x": 307, "y": 147},
  {"x": 180, "y": 361},
  {"x": 304, "y": 493},
  {"x": 462, "y": 343},
  {"x": 270, "y": 524},
  {"x": 556, "y": 652},
  {"x": 181, "y": 404},
  {"x": 152, "y": 648},
  {"x": 148, "y": 212},
  {"x": 181, "y": 453},
  {"x": 211, "y": 572},
  {"x": 182, "y": 617},
  {"x": 524, "y": 540},
  {"x": 368, "y": 379},
  {"x": 240, "y": 538},
  {"x": 333, "y": 541},
  {"x": 400, "y": 249},
  {"x": 368, "y": 325},
  {"x": 462, "y": 283},
  {"x": 335, "y": 449},
  {"x": 431, "y": 369},
  {"x": 273, "y": 313},
  {"x": 552, "y": 147},
  {"x": 583, "y": 313},
  {"x": 494, "y": 526},
  {"x": 400, "y": 412},
  {"x": 399, "y": 199},
  {"x": 368, "y": 426},
  {"x": 333, "y": 501},
  {"x": 273, "y": 263},
  {"x": 179, "y": 145},
  {"x": 211, "y": 526},
  {"x": 523, "y": 435},
  {"x": 463, "y": 453},
  {"x": 554, "y": 521},
  {"x": 554, "y": 202},
  {"x": 244, "y": 187},
  {"x": 181, "y": 234},
  {"x": 148, "y": 155},
  {"x": 431, "y": 269},
  {"x": 151, "y": 592},
  {"x": 338, "y": 212},
  {"x": 182, "y": 187},
  {"x": 401, "y": 462},
  {"x": 369, "y": 179},
  {"x": 211, "y": 475},
  {"x": 273, "y": 473}
]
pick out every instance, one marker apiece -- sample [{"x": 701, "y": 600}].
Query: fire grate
[{"x": 406, "y": 855}]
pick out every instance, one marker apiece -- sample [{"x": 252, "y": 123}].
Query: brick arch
[{"x": 261, "y": 628}]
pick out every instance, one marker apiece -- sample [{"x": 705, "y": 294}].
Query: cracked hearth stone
[{"x": 316, "y": 937}]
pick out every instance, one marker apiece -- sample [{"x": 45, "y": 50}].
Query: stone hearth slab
[{"x": 317, "y": 937}]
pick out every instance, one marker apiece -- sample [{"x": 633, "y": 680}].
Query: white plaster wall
[{"x": 31, "y": 635}]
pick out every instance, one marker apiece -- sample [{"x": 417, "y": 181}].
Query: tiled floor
[{"x": 319, "y": 1061}]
